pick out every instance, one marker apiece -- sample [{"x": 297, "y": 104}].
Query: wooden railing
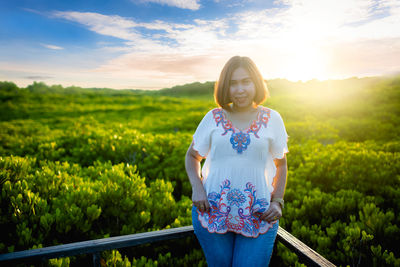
[{"x": 306, "y": 255}]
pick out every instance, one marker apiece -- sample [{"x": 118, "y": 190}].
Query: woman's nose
[{"x": 241, "y": 87}]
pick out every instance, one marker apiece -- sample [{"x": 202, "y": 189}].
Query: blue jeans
[{"x": 231, "y": 249}]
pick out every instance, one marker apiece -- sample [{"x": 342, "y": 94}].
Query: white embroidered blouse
[{"x": 239, "y": 169}]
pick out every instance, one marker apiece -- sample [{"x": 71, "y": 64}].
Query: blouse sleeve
[
  {"x": 278, "y": 146},
  {"x": 202, "y": 136}
]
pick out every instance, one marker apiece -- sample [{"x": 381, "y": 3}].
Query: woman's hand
[
  {"x": 273, "y": 213},
  {"x": 199, "y": 199}
]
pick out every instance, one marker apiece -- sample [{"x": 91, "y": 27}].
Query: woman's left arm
[{"x": 275, "y": 210}]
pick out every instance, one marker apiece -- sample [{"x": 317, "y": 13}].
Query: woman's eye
[
  {"x": 246, "y": 82},
  {"x": 233, "y": 82}
]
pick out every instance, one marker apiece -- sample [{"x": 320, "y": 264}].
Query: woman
[{"x": 238, "y": 194}]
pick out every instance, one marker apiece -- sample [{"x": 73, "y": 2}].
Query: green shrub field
[{"x": 79, "y": 164}]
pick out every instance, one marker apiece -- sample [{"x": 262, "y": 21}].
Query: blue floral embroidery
[
  {"x": 218, "y": 210},
  {"x": 245, "y": 218},
  {"x": 240, "y": 140},
  {"x": 236, "y": 198}
]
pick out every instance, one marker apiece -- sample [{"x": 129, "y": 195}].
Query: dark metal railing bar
[
  {"x": 97, "y": 245},
  {"x": 96, "y": 259},
  {"x": 305, "y": 254}
]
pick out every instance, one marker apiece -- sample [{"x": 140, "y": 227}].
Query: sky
[{"x": 153, "y": 44}]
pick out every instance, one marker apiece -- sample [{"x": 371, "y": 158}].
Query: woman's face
[{"x": 242, "y": 90}]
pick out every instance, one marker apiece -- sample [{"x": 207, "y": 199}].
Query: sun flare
[{"x": 306, "y": 62}]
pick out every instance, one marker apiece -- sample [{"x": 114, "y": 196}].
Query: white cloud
[
  {"x": 54, "y": 47},
  {"x": 115, "y": 26},
  {"x": 164, "y": 68},
  {"x": 193, "y": 37},
  {"x": 185, "y": 4}
]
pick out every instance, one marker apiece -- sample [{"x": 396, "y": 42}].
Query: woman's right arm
[{"x": 193, "y": 170}]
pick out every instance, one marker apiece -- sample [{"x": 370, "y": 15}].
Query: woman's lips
[{"x": 241, "y": 99}]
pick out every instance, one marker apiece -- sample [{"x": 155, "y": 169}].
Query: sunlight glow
[
  {"x": 306, "y": 62},
  {"x": 304, "y": 43}
]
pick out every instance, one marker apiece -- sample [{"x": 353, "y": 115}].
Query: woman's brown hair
[{"x": 222, "y": 86}]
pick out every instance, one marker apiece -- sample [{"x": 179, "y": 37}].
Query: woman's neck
[{"x": 248, "y": 109}]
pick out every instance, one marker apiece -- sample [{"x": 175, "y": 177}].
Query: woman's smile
[{"x": 241, "y": 99}]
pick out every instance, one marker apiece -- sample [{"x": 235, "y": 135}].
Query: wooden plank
[{"x": 305, "y": 253}]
